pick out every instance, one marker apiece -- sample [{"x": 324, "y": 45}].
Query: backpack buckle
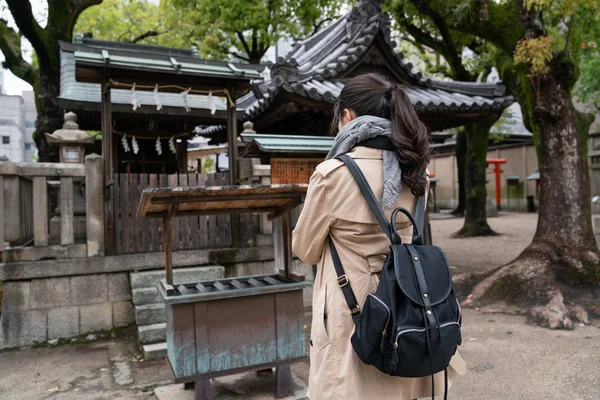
[{"x": 342, "y": 281}]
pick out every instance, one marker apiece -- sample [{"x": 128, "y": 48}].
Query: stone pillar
[
  {"x": 94, "y": 196},
  {"x": 3, "y": 244},
  {"x": 11, "y": 210}
]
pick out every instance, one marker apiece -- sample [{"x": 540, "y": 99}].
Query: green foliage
[
  {"x": 96, "y": 134},
  {"x": 535, "y": 53},
  {"x": 208, "y": 166},
  {"x": 245, "y": 28},
  {"x": 588, "y": 87},
  {"x": 566, "y": 23},
  {"x": 138, "y": 21}
]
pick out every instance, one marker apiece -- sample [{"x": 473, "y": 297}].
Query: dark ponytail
[{"x": 372, "y": 94}]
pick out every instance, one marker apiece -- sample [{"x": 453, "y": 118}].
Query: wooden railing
[
  {"x": 140, "y": 235},
  {"x": 27, "y": 204}
]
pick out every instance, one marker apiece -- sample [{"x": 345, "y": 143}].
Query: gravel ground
[{"x": 480, "y": 253}]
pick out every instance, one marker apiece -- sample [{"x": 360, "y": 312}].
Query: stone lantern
[{"x": 71, "y": 140}]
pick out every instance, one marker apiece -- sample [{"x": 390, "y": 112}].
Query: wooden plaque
[{"x": 293, "y": 170}]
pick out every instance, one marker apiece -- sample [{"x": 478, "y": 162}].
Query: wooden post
[
  {"x": 66, "y": 211},
  {"x": 107, "y": 155},
  {"x": 282, "y": 240},
  {"x": 232, "y": 154},
  {"x": 284, "y": 382},
  {"x": 232, "y": 140},
  {"x": 167, "y": 245},
  {"x": 40, "y": 211},
  {"x": 203, "y": 389}
]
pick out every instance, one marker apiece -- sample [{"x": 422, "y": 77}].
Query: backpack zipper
[
  {"x": 420, "y": 330},
  {"x": 389, "y": 313},
  {"x": 459, "y": 312}
]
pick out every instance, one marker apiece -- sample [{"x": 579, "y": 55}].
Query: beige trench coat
[{"x": 335, "y": 205}]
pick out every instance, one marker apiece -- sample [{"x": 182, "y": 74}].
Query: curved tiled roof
[{"x": 315, "y": 68}]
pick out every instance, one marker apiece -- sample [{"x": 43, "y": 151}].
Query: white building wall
[
  {"x": 17, "y": 123},
  {"x": 30, "y": 120}
]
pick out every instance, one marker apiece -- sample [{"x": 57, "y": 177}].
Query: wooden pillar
[
  {"x": 284, "y": 383},
  {"x": 182, "y": 155},
  {"x": 107, "y": 155},
  {"x": 168, "y": 246},
  {"x": 232, "y": 153},
  {"x": 232, "y": 140},
  {"x": 282, "y": 240}
]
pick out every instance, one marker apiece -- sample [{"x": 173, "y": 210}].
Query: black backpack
[{"x": 410, "y": 326}]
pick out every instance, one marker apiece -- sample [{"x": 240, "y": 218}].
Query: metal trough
[{"x": 231, "y": 325}]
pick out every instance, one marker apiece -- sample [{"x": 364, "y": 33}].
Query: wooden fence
[{"x": 140, "y": 235}]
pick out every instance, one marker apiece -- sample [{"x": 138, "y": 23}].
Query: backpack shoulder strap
[
  {"x": 367, "y": 193},
  {"x": 342, "y": 280},
  {"x": 420, "y": 213}
]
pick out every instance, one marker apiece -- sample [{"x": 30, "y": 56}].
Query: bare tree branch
[
  {"x": 240, "y": 36},
  {"x": 10, "y": 46},
  {"x": 422, "y": 37},
  {"x": 151, "y": 33},
  {"x": 241, "y": 57},
  {"x": 317, "y": 26},
  {"x": 452, "y": 54}
]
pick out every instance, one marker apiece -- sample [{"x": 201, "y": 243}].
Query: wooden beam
[{"x": 106, "y": 110}]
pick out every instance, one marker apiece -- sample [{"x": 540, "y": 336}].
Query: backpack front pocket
[
  {"x": 409, "y": 358},
  {"x": 371, "y": 327}
]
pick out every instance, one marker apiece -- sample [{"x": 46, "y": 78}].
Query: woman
[{"x": 368, "y": 107}]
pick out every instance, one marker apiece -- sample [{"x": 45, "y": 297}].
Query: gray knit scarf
[{"x": 368, "y": 127}]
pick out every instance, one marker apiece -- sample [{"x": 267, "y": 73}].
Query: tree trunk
[
  {"x": 476, "y": 137},
  {"x": 560, "y": 270},
  {"x": 461, "y": 159},
  {"x": 50, "y": 115}
]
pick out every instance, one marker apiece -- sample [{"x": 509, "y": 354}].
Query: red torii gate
[{"x": 497, "y": 171}]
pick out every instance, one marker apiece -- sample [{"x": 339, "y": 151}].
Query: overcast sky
[{"x": 12, "y": 84}]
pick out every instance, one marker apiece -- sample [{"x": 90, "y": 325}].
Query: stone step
[
  {"x": 152, "y": 333},
  {"x": 156, "y": 351},
  {"x": 143, "y": 296},
  {"x": 150, "y": 314},
  {"x": 147, "y": 279}
]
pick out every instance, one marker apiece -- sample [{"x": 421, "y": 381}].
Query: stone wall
[
  {"x": 39, "y": 310},
  {"x": 59, "y": 307}
]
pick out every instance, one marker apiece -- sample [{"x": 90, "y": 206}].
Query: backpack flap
[{"x": 435, "y": 268}]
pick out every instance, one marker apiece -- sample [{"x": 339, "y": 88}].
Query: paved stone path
[{"x": 515, "y": 230}]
